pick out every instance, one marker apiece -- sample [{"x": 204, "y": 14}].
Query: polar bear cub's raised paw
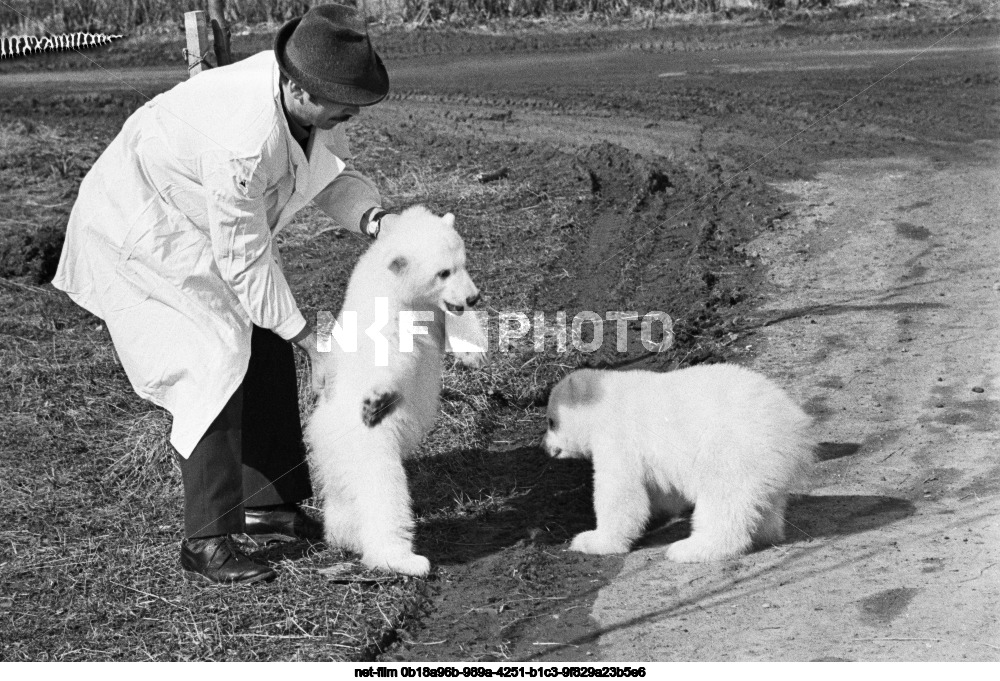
[{"x": 374, "y": 409}]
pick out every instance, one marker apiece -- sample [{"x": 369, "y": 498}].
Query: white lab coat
[{"x": 171, "y": 239}]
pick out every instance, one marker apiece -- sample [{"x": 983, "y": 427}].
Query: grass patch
[
  {"x": 40, "y": 168},
  {"x": 89, "y": 556}
]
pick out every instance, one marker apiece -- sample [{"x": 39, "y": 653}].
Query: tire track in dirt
[
  {"x": 766, "y": 29},
  {"x": 665, "y": 36}
]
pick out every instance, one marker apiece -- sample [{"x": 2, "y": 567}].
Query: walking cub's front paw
[{"x": 598, "y": 543}]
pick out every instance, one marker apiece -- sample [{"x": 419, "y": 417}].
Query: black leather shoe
[
  {"x": 287, "y": 520},
  {"x": 219, "y": 560}
]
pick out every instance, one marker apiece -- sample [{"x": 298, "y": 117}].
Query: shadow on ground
[
  {"x": 505, "y": 586},
  {"x": 524, "y": 497},
  {"x": 517, "y": 496}
]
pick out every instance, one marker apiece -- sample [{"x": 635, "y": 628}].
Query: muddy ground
[{"x": 736, "y": 180}]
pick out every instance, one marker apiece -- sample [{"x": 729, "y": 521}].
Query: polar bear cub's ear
[
  {"x": 449, "y": 219},
  {"x": 584, "y": 387},
  {"x": 573, "y": 387}
]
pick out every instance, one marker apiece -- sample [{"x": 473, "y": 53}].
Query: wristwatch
[{"x": 371, "y": 221}]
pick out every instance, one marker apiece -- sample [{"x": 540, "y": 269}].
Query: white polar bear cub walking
[
  {"x": 720, "y": 437},
  {"x": 382, "y": 398}
]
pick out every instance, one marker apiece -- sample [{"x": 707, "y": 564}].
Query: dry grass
[
  {"x": 92, "y": 501},
  {"x": 92, "y": 495},
  {"x": 88, "y": 557},
  {"x": 40, "y": 167}
]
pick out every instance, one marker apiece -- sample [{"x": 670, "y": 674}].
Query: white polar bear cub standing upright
[
  {"x": 720, "y": 437},
  {"x": 382, "y": 398}
]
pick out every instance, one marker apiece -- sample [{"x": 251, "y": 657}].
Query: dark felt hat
[{"x": 327, "y": 53}]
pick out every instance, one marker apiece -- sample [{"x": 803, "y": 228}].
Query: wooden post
[
  {"x": 220, "y": 32},
  {"x": 196, "y": 30}
]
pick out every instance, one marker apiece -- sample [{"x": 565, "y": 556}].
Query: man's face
[
  {"x": 324, "y": 114},
  {"x": 309, "y": 110}
]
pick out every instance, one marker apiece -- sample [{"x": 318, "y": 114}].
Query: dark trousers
[{"x": 252, "y": 454}]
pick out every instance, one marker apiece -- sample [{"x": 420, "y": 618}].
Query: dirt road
[{"x": 884, "y": 319}]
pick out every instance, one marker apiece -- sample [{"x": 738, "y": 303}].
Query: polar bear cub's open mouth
[{"x": 428, "y": 259}]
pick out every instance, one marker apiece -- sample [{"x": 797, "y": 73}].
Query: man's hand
[{"x": 307, "y": 340}]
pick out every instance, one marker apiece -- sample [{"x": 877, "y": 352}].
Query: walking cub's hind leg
[
  {"x": 721, "y": 529},
  {"x": 383, "y": 511},
  {"x": 772, "y": 522}
]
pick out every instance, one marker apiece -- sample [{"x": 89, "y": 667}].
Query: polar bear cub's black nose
[{"x": 472, "y": 300}]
